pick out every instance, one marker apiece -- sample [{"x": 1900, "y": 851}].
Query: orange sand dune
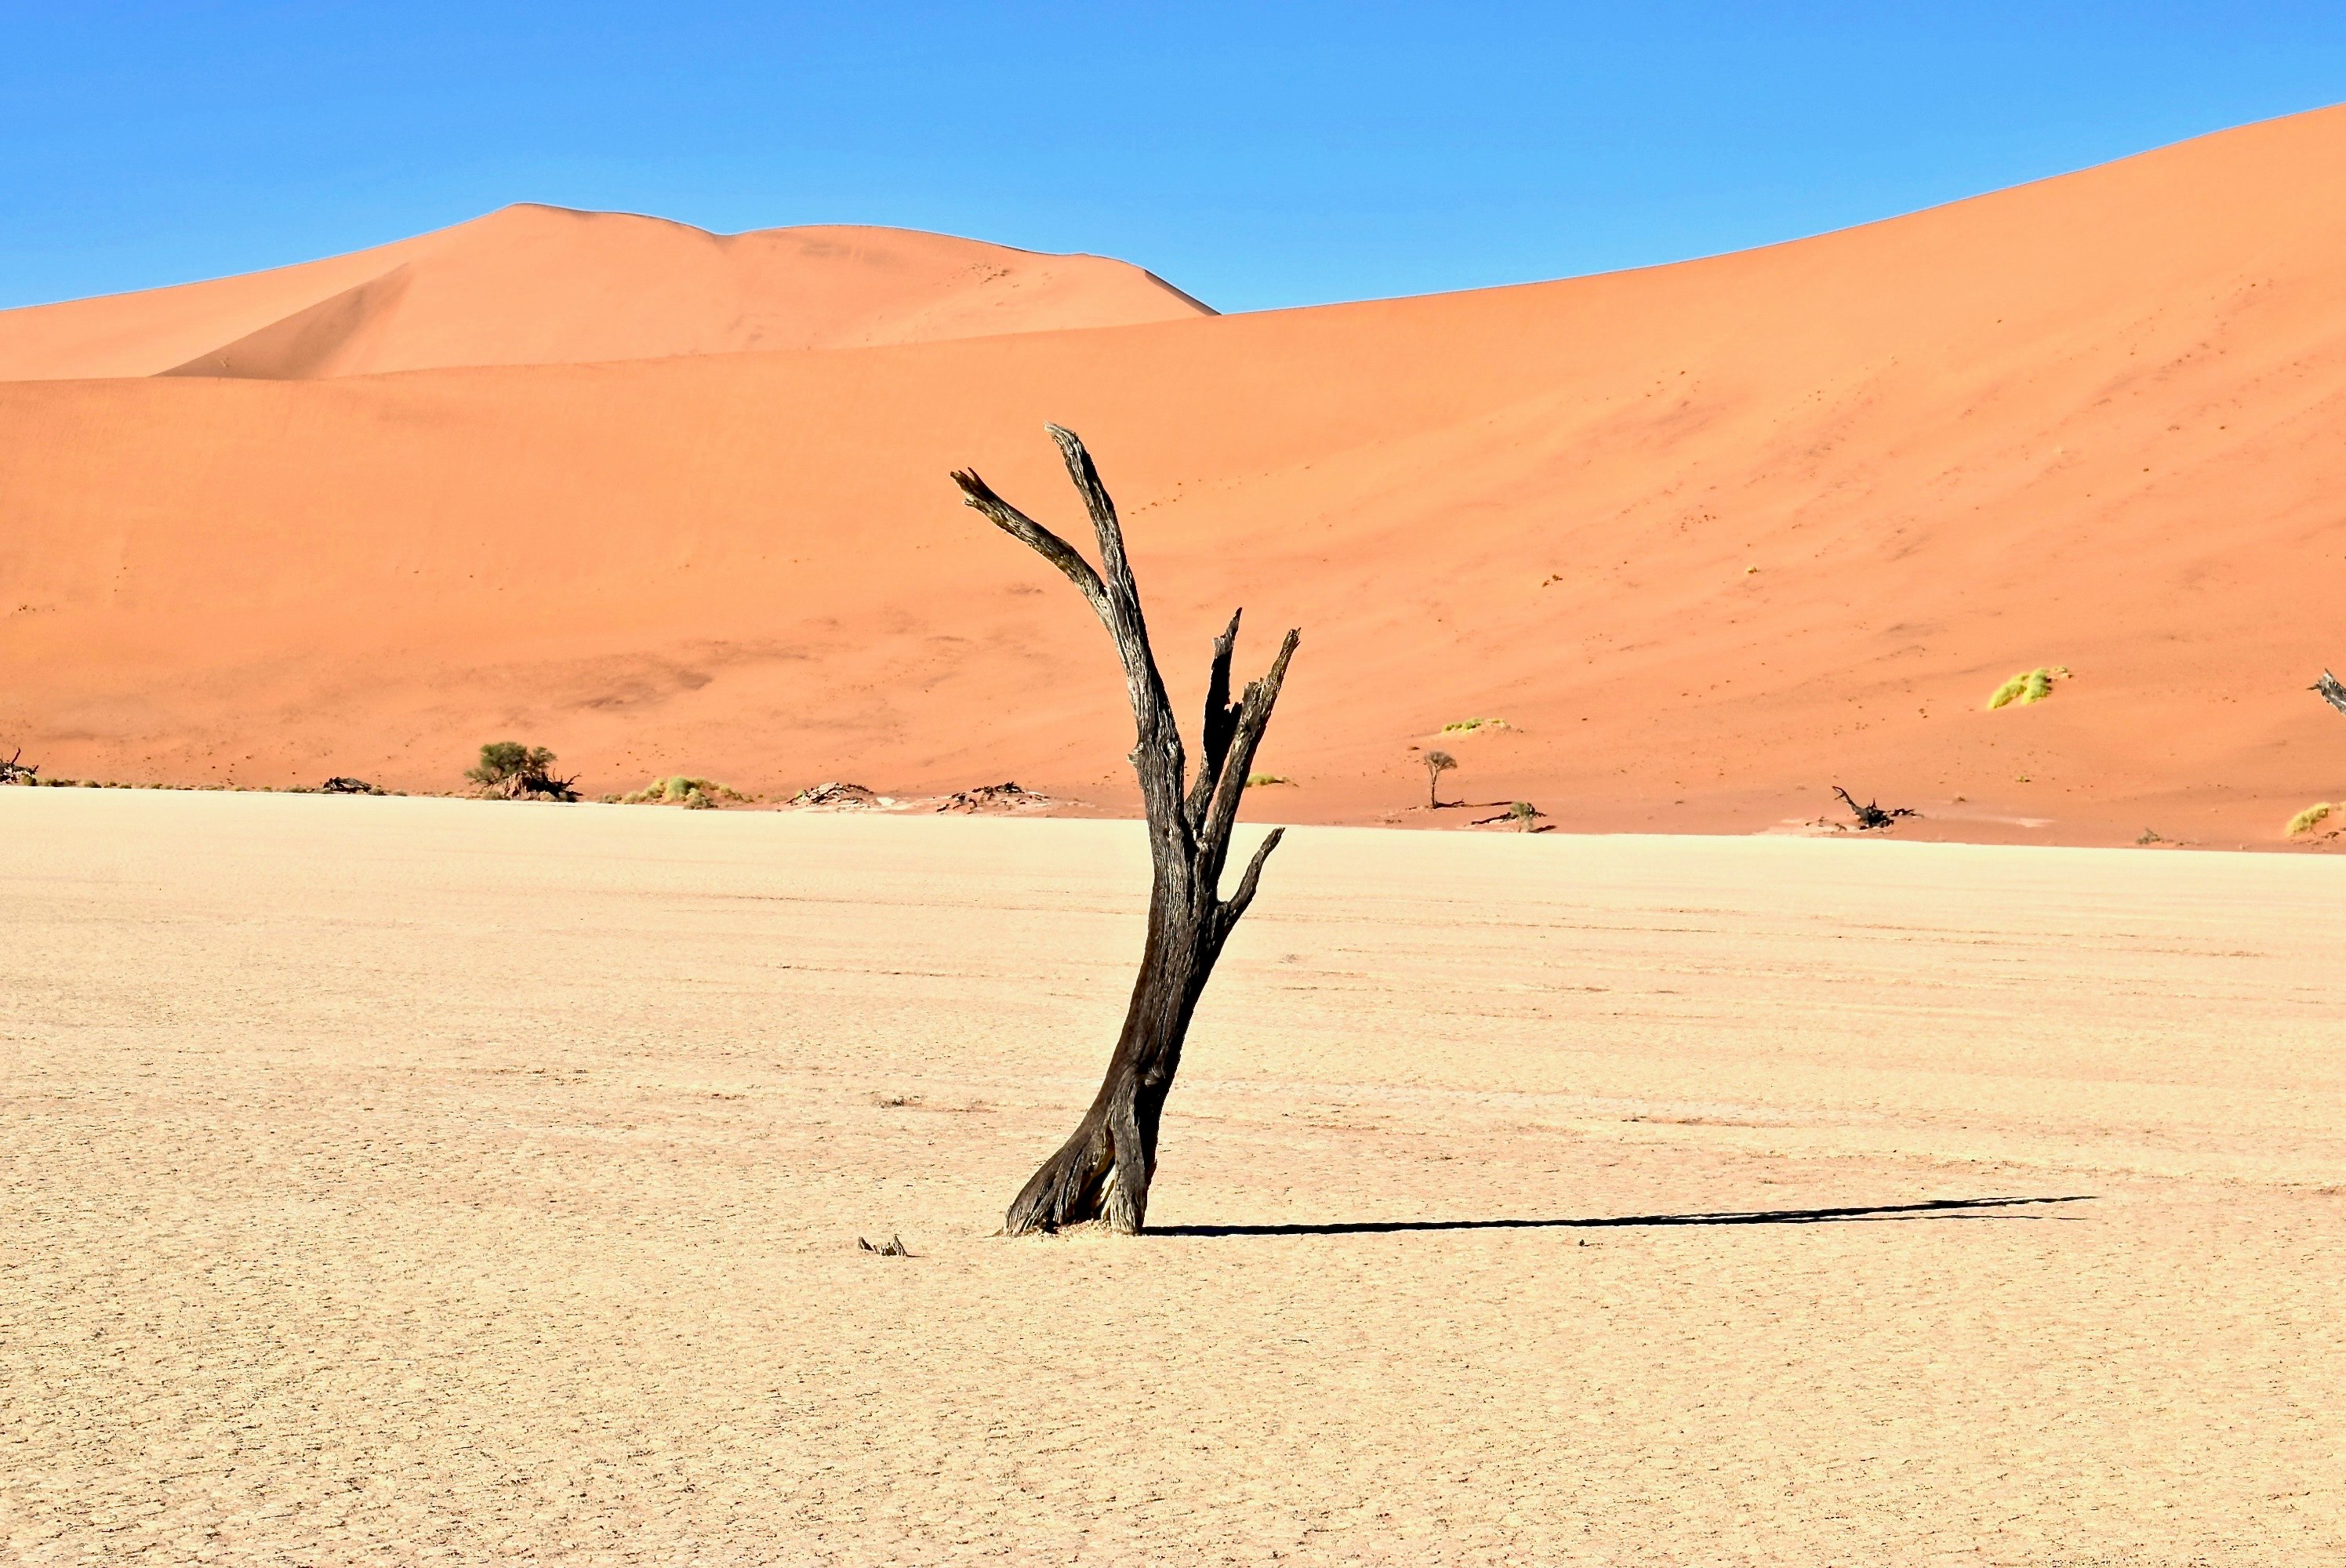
[
  {"x": 544, "y": 285},
  {"x": 1710, "y": 537}
]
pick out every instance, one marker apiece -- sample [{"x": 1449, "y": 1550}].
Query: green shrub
[
  {"x": 508, "y": 771},
  {"x": 2029, "y": 686},
  {"x": 2305, "y": 820},
  {"x": 1469, "y": 726},
  {"x": 692, "y": 794}
]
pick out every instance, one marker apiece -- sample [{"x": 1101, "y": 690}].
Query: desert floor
[{"x": 389, "y": 1180}]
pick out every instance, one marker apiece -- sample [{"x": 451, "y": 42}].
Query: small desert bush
[
  {"x": 1469, "y": 726},
  {"x": 2305, "y": 822},
  {"x": 692, "y": 794},
  {"x": 1255, "y": 778},
  {"x": 2029, "y": 686},
  {"x": 508, "y": 771}
]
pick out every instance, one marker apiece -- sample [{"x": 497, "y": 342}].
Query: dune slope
[
  {"x": 545, "y": 285},
  {"x": 1712, "y": 538}
]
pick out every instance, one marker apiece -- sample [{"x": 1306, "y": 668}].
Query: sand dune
[
  {"x": 1712, "y": 538},
  {"x": 545, "y": 285}
]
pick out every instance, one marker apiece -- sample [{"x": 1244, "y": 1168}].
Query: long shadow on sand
[{"x": 1937, "y": 1208}]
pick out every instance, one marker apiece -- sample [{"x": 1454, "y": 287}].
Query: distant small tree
[
  {"x": 508, "y": 771},
  {"x": 1437, "y": 763}
]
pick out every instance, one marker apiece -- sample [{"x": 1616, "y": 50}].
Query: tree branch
[
  {"x": 1158, "y": 757},
  {"x": 1101, "y": 509},
  {"x": 1236, "y": 904},
  {"x": 1254, "y": 718},
  {"x": 1221, "y": 723},
  {"x": 976, "y": 493}
]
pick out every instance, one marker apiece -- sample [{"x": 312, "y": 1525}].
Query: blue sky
[{"x": 1257, "y": 155}]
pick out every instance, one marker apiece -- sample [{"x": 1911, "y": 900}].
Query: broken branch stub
[{"x": 1103, "y": 1170}]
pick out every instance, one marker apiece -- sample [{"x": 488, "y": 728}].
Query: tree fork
[{"x": 1102, "y": 1171}]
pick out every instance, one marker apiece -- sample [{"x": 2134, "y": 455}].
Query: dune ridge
[
  {"x": 1711, "y": 538},
  {"x": 545, "y": 285}
]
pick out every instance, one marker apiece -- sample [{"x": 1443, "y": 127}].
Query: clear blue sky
[{"x": 1257, "y": 155}]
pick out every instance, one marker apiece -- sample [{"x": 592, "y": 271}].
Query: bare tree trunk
[{"x": 1102, "y": 1172}]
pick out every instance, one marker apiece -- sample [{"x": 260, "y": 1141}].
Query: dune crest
[{"x": 545, "y": 285}]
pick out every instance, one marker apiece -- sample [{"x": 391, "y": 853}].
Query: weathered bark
[{"x": 1102, "y": 1171}]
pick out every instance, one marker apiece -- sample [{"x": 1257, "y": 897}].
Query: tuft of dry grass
[
  {"x": 2029, "y": 686},
  {"x": 2305, "y": 822},
  {"x": 692, "y": 794}
]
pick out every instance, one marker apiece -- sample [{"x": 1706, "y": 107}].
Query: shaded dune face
[
  {"x": 543, "y": 285},
  {"x": 1712, "y": 538}
]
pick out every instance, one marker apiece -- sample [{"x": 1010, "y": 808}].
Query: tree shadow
[{"x": 1936, "y": 1208}]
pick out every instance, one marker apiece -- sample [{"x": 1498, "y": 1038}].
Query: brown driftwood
[
  {"x": 16, "y": 770},
  {"x": 1102, "y": 1171},
  {"x": 2332, "y": 691},
  {"x": 1871, "y": 815}
]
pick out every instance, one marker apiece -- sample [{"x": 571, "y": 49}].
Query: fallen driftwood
[
  {"x": 16, "y": 770},
  {"x": 338, "y": 785},
  {"x": 2330, "y": 691},
  {"x": 836, "y": 794},
  {"x": 531, "y": 787},
  {"x": 1871, "y": 815},
  {"x": 892, "y": 1247},
  {"x": 1003, "y": 797}
]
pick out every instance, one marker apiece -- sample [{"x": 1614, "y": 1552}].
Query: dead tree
[
  {"x": 1102, "y": 1172},
  {"x": 1871, "y": 815},
  {"x": 2332, "y": 691},
  {"x": 16, "y": 770}
]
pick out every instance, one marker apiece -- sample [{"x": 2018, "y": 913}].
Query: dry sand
[
  {"x": 1713, "y": 538},
  {"x": 386, "y": 1178}
]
